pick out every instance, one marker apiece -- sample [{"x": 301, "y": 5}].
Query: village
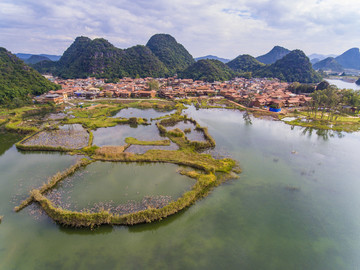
[{"x": 256, "y": 92}]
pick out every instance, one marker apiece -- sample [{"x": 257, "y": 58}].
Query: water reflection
[
  {"x": 104, "y": 229},
  {"x": 156, "y": 225},
  {"x": 247, "y": 118},
  {"x": 7, "y": 140},
  {"x": 321, "y": 133}
]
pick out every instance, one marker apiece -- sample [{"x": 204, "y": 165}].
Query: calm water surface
[
  {"x": 295, "y": 206},
  {"x": 143, "y": 113},
  {"x": 342, "y": 84}
]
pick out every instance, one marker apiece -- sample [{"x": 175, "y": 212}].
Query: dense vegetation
[
  {"x": 163, "y": 56},
  {"x": 18, "y": 81},
  {"x": 245, "y": 63},
  {"x": 175, "y": 57},
  {"x": 329, "y": 64},
  {"x": 331, "y": 102},
  {"x": 98, "y": 57},
  {"x": 275, "y": 54},
  {"x": 294, "y": 67},
  {"x": 208, "y": 70},
  {"x": 299, "y": 88}
]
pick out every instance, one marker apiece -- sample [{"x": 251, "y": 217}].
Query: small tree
[{"x": 153, "y": 85}]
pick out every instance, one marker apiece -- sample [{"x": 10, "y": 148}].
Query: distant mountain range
[
  {"x": 328, "y": 64},
  {"x": 18, "y": 80},
  {"x": 275, "y": 54},
  {"x": 213, "y": 57},
  {"x": 348, "y": 60},
  {"x": 36, "y": 59},
  {"x": 26, "y": 56},
  {"x": 315, "y": 57}
]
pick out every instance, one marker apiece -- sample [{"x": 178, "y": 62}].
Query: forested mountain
[
  {"x": 163, "y": 56},
  {"x": 328, "y": 64},
  {"x": 18, "y": 80},
  {"x": 98, "y": 57},
  {"x": 208, "y": 70},
  {"x": 224, "y": 60},
  {"x": 172, "y": 54},
  {"x": 294, "y": 67},
  {"x": 140, "y": 61},
  {"x": 245, "y": 63},
  {"x": 275, "y": 54}
]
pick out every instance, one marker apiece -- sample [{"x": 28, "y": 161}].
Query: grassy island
[{"x": 131, "y": 140}]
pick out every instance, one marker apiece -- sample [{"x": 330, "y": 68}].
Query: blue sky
[{"x": 224, "y": 28}]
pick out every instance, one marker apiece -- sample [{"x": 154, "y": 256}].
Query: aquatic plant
[
  {"x": 85, "y": 219},
  {"x": 212, "y": 171}
]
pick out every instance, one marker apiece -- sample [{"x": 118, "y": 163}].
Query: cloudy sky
[{"x": 224, "y": 28}]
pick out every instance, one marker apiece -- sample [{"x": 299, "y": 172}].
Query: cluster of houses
[{"x": 249, "y": 92}]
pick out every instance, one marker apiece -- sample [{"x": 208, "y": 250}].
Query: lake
[
  {"x": 342, "y": 84},
  {"x": 296, "y": 205}
]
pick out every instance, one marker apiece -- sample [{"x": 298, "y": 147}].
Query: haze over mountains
[
  {"x": 224, "y": 60},
  {"x": 275, "y": 54},
  {"x": 26, "y": 56},
  {"x": 348, "y": 60}
]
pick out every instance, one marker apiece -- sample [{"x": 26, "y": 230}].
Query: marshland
[{"x": 295, "y": 206}]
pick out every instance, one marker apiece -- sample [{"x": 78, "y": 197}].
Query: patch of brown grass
[{"x": 111, "y": 151}]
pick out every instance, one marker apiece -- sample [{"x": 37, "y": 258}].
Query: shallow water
[
  {"x": 116, "y": 135},
  {"x": 119, "y": 183},
  {"x": 194, "y": 135},
  {"x": 295, "y": 206},
  {"x": 143, "y": 113}
]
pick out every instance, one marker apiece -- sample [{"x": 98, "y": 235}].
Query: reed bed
[
  {"x": 111, "y": 151},
  {"x": 56, "y": 140},
  {"x": 213, "y": 171},
  {"x": 85, "y": 219}
]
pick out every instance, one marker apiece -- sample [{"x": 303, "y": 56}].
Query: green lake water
[
  {"x": 295, "y": 206},
  {"x": 113, "y": 184}
]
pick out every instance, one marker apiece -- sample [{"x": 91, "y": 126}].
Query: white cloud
[{"x": 225, "y": 28}]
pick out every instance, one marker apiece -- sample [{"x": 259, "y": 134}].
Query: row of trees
[{"x": 331, "y": 102}]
